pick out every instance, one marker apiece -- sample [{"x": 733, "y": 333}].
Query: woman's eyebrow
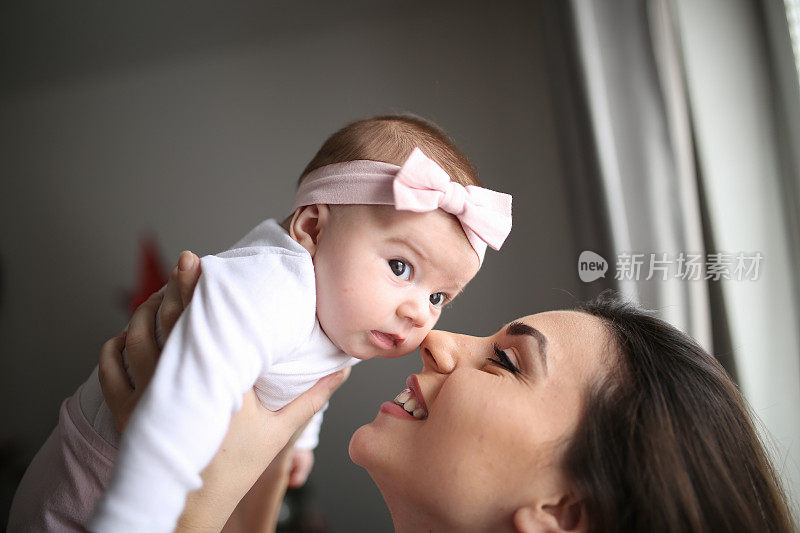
[{"x": 519, "y": 328}]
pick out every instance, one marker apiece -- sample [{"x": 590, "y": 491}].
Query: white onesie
[{"x": 251, "y": 324}]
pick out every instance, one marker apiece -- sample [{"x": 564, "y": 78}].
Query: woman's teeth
[{"x": 407, "y": 401}]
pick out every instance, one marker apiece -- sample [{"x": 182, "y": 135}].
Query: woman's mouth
[
  {"x": 407, "y": 401},
  {"x": 411, "y": 400},
  {"x": 385, "y": 341}
]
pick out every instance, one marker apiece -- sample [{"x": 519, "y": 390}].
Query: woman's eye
[
  {"x": 438, "y": 298},
  {"x": 400, "y": 269},
  {"x": 503, "y": 360}
]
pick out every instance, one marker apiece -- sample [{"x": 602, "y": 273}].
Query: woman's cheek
[
  {"x": 462, "y": 417},
  {"x": 467, "y": 463},
  {"x": 480, "y": 416}
]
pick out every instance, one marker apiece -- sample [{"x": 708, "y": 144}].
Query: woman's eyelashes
[
  {"x": 401, "y": 269},
  {"x": 503, "y": 360}
]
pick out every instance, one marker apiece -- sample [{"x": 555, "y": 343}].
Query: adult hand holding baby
[
  {"x": 256, "y": 439},
  {"x": 142, "y": 350}
]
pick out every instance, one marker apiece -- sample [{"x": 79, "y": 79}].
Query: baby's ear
[{"x": 307, "y": 225}]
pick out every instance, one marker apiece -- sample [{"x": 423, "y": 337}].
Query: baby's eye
[
  {"x": 438, "y": 298},
  {"x": 400, "y": 269}
]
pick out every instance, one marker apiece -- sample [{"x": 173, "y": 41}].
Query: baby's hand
[{"x": 302, "y": 462}]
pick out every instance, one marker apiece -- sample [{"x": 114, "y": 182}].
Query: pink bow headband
[{"x": 420, "y": 185}]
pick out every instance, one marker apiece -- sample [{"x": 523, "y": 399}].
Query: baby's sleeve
[{"x": 217, "y": 349}]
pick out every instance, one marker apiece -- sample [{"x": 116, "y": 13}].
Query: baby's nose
[{"x": 414, "y": 309}]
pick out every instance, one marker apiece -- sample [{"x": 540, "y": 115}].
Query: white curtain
[
  {"x": 735, "y": 116},
  {"x": 639, "y": 115},
  {"x": 687, "y": 139}
]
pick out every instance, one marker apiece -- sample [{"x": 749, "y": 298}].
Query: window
[{"x": 793, "y": 19}]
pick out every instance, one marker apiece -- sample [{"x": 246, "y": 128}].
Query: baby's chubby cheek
[{"x": 335, "y": 298}]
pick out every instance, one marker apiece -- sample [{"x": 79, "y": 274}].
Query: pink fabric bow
[{"x": 421, "y": 185}]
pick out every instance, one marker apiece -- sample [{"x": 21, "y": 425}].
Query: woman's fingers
[
  {"x": 302, "y": 408},
  {"x": 141, "y": 348},
  {"x": 171, "y": 306},
  {"x": 256, "y": 441},
  {"x": 188, "y": 273},
  {"x": 178, "y": 292},
  {"x": 111, "y": 373}
]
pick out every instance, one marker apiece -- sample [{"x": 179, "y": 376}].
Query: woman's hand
[
  {"x": 255, "y": 436},
  {"x": 141, "y": 349}
]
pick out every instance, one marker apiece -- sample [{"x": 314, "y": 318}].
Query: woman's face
[{"x": 491, "y": 440}]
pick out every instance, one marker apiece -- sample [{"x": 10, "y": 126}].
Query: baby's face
[{"x": 383, "y": 276}]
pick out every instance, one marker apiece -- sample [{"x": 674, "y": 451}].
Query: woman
[{"x": 599, "y": 419}]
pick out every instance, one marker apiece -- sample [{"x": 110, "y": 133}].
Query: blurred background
[{"x": 639, "y": 130}]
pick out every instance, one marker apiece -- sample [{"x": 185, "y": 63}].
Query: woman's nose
[{"x": 441, "y": 350}]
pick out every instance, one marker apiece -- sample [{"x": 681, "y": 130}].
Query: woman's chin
[
  {"x": 359, "y": 448},
  {"x": 383, "y": 445},
  {"x": 372, "y": 448},
  {"x": 353, "y": 448}
]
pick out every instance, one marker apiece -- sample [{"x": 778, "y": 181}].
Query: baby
[{"x": 388, "y": 225}]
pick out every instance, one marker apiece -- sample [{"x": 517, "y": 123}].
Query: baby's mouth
[{"x": 384, "y": 340}]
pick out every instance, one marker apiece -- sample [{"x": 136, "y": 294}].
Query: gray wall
[{"x": 193, "y": 122}]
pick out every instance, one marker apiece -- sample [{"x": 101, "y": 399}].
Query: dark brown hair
[
  {"x": 391, "y": 138},
  {"x": 666, "y": 442}
]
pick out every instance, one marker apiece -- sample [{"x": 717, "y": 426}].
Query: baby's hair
[{"x": 390, "y": 139}]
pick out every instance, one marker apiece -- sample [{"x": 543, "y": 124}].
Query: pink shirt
[{"x": 66, "y": 477}]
